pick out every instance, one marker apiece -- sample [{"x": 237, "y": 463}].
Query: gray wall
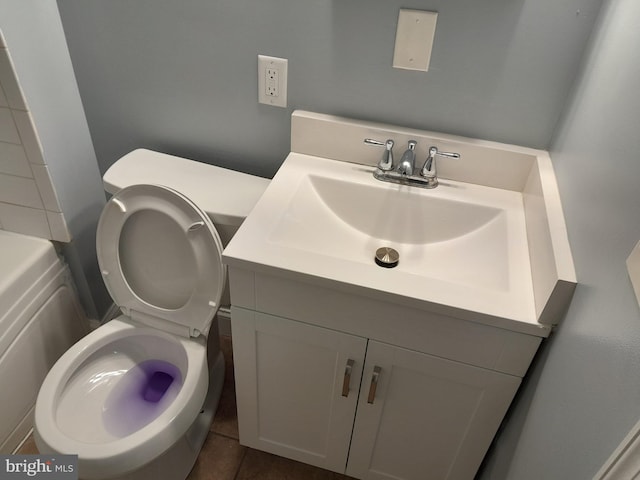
[
  {"x": 181, "y": 75},
  {"x": 583, "y": 395},
  {"x": 34, "y": 34}
]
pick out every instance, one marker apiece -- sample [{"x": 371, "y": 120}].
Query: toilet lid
[{"x": 160, "y": 257}]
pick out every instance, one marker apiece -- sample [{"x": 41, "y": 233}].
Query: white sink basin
[
  {"x": 457, "y": 233},
  {"x": 459, "y": 243},
  {"x": 392, "y": 214}
]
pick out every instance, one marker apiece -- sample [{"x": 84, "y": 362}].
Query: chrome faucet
[
  {"x": 403, "y": 173},
  {"x": 428, "y": 171},
  {"x": 408, "y": 161}
]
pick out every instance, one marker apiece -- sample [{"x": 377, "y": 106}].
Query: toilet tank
[{"x": 225, "y": 195}]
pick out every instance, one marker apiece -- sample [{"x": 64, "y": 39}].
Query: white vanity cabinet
[
  {"x": 359, "y": 406},
  {"x": 484, "y": 273}
]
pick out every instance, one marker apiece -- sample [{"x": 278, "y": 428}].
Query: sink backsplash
[
  {"x": 482, "y": 162},
  {"x": 525, "y": 170}
]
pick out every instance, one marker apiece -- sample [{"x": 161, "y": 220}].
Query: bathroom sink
[
  {"x": 388, "y": 214},
  {"x": 459, "y": 243},
  {"x": 487, "y": 245}
]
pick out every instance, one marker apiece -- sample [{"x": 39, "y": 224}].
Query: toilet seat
[{"x": 160, "y": 257}]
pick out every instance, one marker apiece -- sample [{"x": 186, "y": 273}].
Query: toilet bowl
[
  {"x": 135, "y": 398},
  {"x": 92, "y": 403}
]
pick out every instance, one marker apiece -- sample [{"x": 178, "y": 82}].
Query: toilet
[{"x": 135, "y": 398}]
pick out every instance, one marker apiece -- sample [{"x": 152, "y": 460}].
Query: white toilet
[{"x": 135, "y": 398}]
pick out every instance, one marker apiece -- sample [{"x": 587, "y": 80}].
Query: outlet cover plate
[
  {"x": 272, "y": 80},
  {"x": 414, "y": 39}
]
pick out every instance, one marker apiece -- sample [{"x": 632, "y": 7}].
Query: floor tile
[
  {"x": 259, "y": 465},
  {"x": 28, "y": 447},
  {"x": 219, "y": 459}
]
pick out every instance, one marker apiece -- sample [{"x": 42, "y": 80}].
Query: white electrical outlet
[{"x": 272, "y": 80}]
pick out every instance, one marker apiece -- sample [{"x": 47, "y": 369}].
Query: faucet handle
[
  {"x": 429, "y": 168},
  {"x": 447, "y": 154},
  {"x": 386, "y": 162}
]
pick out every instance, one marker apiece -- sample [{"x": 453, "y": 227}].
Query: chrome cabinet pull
[
  {"x": 347, "y": 377},
  {"x": 374, "y": 384}
]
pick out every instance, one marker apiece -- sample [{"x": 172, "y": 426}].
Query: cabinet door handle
[
  {"x": 347, "y": 377},
  {"x": 374, "y": 384}
]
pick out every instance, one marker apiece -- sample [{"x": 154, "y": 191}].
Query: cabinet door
[
  {"x": 291, "y": 391},
  {"x": 431, "y": 418}
]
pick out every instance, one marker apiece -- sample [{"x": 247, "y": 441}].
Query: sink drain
[{"x": 387, "y": 257}]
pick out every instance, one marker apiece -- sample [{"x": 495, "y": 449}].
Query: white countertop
[{"x": 465, "y": 277}]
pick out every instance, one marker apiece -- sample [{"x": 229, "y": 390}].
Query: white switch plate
[
  {"x": 272, "y": 80},
  {"x": 414, "y": 39}
]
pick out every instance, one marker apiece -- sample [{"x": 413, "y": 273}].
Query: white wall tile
[
  {"x": 58, "y": 227},
  {"x": 28, "y": 221},
  {"x": 13, "y": 160},
  {"x": 19, "y": 191},
  {"x": 45, "y": 187},
  {"x": 30, "y": 140},
  {"x": 29, "y": 203},
  {"x": 9, "y": 81},
  {"x": 8, "y": 131}
]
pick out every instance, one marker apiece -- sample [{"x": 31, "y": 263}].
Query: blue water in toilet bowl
[{"x": 141, "y": 395}]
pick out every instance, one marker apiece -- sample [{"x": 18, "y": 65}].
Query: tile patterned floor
[{"x": 223, "y": 458}]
